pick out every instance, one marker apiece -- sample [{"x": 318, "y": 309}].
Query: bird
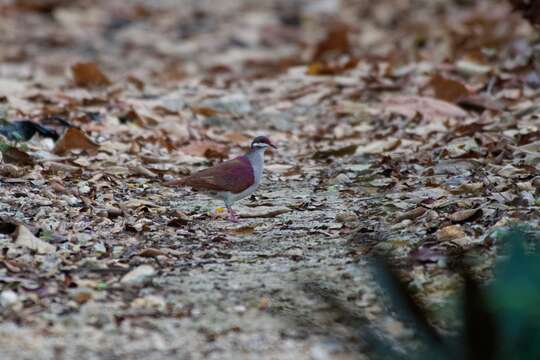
[{"x": 231, "y": 180}]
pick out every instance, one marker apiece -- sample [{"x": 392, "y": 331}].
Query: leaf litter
[{"x": 414, "y": 135}]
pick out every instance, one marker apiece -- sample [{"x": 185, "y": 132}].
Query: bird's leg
[{"x": 232, "y": 215}]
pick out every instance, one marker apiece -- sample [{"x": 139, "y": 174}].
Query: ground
[{"x": 404, "y": 128}]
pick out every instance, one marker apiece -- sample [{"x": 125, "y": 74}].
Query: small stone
[
  {"x": 8, "y": 298},
  {"x": 100, "y": 248},
  {"x": 139, "y": 276},
  {"x": 341, "y": 179},
  {"x": 240, "y": 309},
  {"x": 84, "y": 188}
]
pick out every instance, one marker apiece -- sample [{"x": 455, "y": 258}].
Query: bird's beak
[{"x": 272, "y": 145}]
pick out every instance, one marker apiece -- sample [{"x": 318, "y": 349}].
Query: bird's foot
[{"x": 232, "y": 215}]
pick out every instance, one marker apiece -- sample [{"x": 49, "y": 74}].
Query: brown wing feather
[{"x": 234, "y": 175}]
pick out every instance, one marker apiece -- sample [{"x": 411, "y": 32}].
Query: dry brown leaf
[
  {"x": 88, "y": 74},
  {"x": 468, "y": 188},
  {"x": 141, "y": 170},
  {"x": 335, "y": 42},
  {"x": 465, "y": 215},
  {"x": 152, "y": 252},
  {"x": 25, "y": 238},
  {"x": 448, "y": 89},
  {"x": 12, "y": 155},
  {"x": 331, "y": 68},
  {"x": 135, "y": 81},
  {"x": 411, "y": 214},
  {"x": 9, "y": 170},
  {"x": 263, "y": 212},
  {"x": 429, "y": 107},
  {"x": 243, "y": 230},
  {"x": 207, "y": 149},
  {"x": 204, "y": 111},
  {"x": 481, "y": 102},
  {"x": 74, "y": 139},
  {"x": 343, "y": 151}
]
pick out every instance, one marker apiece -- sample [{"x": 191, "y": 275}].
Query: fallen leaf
[
  {"x": 331, "y": 68},
  {"x": 141, "y": 170},
  {"x": 152, "y": 252},
  {"x": 73, "y": 139},
  {"x": 468, "y": 188},
  {"x": 81, "y": 295},
  {"x": 9, "y": 170},
  {"x": 25, "y": 238},
  {"x": 242, "y": 230},
  {"x": 236, "y": 137},
  {"x": 262, "y": 212},
  {"x": 465, "y": 215},
  {"x": 428, "y": 107},
  {"x": 12, "y": 155},
  {"x": 335, "y": 42},
  {"x": 204, "y": 111},
  {"x": 451, "y": 232},
  {"x": 481, "y": 102},
  {"x": 448, "y": 89},
  {"x": 139, "y": 276},
  {"x": 411, "y": 214},
  {"x": 206, "y": 149},
  {"x": 379, "y": 146},
  {"x": 339, "y": 152},
  {"x": 88, "y": 74}
]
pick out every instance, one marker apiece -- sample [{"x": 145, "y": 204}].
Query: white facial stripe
[{"x": 260, "y": 145}]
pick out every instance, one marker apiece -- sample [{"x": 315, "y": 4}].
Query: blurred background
[{"x": 162, "y": 42}]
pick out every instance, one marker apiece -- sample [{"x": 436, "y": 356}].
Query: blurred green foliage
[{"x": 500, "y": 320}]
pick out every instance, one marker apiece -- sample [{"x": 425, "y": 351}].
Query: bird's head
[{"x": 261, "y": 142}]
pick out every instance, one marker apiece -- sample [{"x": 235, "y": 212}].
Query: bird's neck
[{"x": 256, "y": 158}]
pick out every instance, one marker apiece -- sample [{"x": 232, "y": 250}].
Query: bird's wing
[{"x": 234, "y": 175}]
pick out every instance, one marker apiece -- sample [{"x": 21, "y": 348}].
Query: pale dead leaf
[
  {"x": 452, "y": 232},
  {"x": 411, "y": 214},
  {"x": 379, "y": 146},
  {"x": 9, "y": 170},
  {"x": 25, "y": 238},
  {"x": 464, "y": 215},
  {"x": 429, "y": 107}
]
